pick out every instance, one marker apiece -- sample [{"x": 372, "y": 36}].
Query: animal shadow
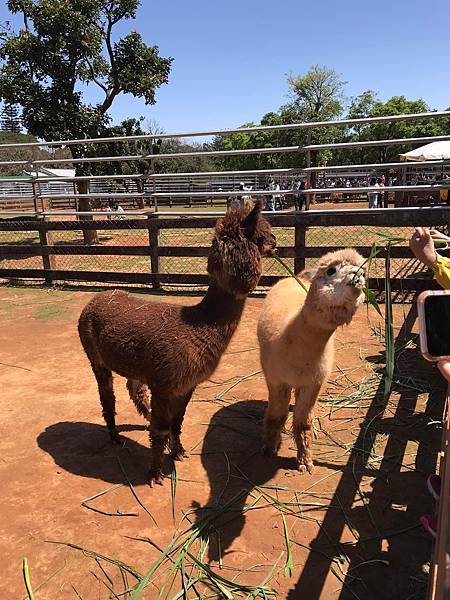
[
  {"x": 233, "y": 462},
  {"x": 85, "y": 449}
]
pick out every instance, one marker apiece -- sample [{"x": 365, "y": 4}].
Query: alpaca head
[
  {"x": 336, "y": 288},
  {"x": 241, "y": 238}
]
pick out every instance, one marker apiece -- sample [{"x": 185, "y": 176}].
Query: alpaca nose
[{"x": 356, "y": 278}]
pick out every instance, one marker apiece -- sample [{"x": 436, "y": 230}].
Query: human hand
[
  {"x": 444, "y": 368},
  {"x": 421, "y": 244},
  {"x": 437, "y": 235}
]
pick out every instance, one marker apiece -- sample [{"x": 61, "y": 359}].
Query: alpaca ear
[
  {"x": 250, "y": 223},
  {"x": 308, "y": 274}
]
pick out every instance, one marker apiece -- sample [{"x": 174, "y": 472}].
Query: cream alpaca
[{"x": 296, "y": 339}]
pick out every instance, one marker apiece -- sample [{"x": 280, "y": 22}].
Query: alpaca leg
[
  {"x": 275, "y": 417},
  {"x": 176, "y": 447},
  {"x": 159, "y": 432},
  {"x": 305, "y": 399},
  {"x": 139, "y": 394},
  {"x": 107, "y": 399}
]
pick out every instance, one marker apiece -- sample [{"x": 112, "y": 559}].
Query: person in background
[
  {"x": 277, "y": 198},
  {"x": 303, "y": 197},
  {"x": 381, "y": 195},
  {"x": 422, "y": 246},
  {"x": 443, "y": 194},
  {"x": 109, "y": 210},
  {"x": 269, "y": 198},
  {"x": 373, "y": 195},
  {"x": 119, "y": 211}
]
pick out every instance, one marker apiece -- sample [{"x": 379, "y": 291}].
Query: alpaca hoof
[
  {"x": 155, "y": 477},
  {"x": 179, "y": 454},
  {"x": 303, "y": 466}
]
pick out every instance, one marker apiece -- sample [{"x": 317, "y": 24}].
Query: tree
[
  {"x": 398, "y": 105},
  {"x": 10, "y": 120},
  {"x": 19, "y": 153},
  {"x": 67, "y": 43},
  {"x": 316, "y": 96}
]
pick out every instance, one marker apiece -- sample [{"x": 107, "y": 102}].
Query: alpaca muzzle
[{"x": 357, "y": 280}]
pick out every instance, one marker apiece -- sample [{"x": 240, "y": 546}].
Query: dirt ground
[{"x": 352, "y": 527}]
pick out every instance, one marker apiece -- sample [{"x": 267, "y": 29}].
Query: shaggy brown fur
[{"x": 169, "y": 348}]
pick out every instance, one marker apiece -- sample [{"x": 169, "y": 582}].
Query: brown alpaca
[
  {"x": 169, "y": 348},
  {"x": 296, "y": 339}
]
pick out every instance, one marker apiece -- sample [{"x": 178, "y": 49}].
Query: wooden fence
[{"x": 298, "y": 251}]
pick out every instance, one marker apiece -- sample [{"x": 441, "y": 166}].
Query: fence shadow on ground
[
  {"x": 386, "y": 560},
  {"x": 386, "y": 557}
]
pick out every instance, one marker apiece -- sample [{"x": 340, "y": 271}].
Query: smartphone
[{"x": 433, "y": 309}]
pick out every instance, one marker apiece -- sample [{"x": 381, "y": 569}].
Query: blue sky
[{"x": 231, "y": 57}]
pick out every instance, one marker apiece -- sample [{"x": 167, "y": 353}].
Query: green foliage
[
  {"x": 319, "y": 96},
  {"x": 67, "y": 42},
  {"x": 21, "y": 154},
  {"x": 316, "y": 96},
  {"x": 368, "y": 105},
  {"x": 10, "y": 118}
]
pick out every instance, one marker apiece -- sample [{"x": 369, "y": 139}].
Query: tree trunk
[{"x": 84, "y": 204}]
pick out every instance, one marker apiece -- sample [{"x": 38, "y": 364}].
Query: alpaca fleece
[
  {"x": 168, "y": 348},
  {"x": 296, "y": 339}
]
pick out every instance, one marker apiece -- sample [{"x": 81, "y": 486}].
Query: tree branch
[
  {"x": 94, "y": 78},
  {"x": 110, "y": 50},
  {"x": 25, "y": 17},
  {"x": 109, "y": 100}
]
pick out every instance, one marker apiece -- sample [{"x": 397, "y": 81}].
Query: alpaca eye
[{"x": 331, "y": 271}]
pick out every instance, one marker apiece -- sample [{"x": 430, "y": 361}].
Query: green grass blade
[
  {"x": 288, "y": 566},
  {"x": 26, "y": 578},
  {"x": 173, "y": 488},
  {"x": 290, "y": 271},
  {"x": 371, "y": 299},
  {"x": 389, "y": 328}
]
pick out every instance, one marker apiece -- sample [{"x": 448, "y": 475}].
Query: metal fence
[
  {"x": 166, "y": 251},
  {"x": 155, "y": 248},
  {"x": 152, "y": 187}
]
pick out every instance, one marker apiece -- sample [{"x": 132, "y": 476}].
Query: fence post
[
  {"x": 153, "y": 234},
  {"x": 48, "y": 260},
  {"x": 299, "y": 243}
]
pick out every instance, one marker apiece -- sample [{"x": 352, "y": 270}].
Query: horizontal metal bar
[
  {"x": 369, "y": 143},
  {"x": 223, "y": 194},
  {"x": 195, "y": 174},
  {"x": 150, "y": 176},
  {"x": 146, "y": 157},
  {"x": 290, "y": 191},
  {"x": 224, "y": 132},
  {"x": 44, "y": 179},
  {"x": 74, "y": 195},
  {"x": 386, "y": 188},
  {"x": 379, "y": 166},
  {"x": 275, "y": 150},
  {"x": 311, "y": 214}
]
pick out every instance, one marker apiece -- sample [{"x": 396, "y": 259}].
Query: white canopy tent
[{"x": 433, "y": 151}]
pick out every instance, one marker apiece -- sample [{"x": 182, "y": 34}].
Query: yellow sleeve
[{"x": 442, "y": 271}]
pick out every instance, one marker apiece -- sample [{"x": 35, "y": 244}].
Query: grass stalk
[{"x": 27, "y": 580}]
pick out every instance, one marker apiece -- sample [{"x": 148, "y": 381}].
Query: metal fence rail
[
  {"x": 158, "y": 250},
  {"x": 150, "y": 186},
  {"x": 224, "y": 132}
]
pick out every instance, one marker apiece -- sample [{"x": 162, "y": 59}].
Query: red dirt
[{"x": 55, "y": 453}]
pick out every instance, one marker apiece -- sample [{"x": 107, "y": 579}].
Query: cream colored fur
[{"x": 296, "y": 337}]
